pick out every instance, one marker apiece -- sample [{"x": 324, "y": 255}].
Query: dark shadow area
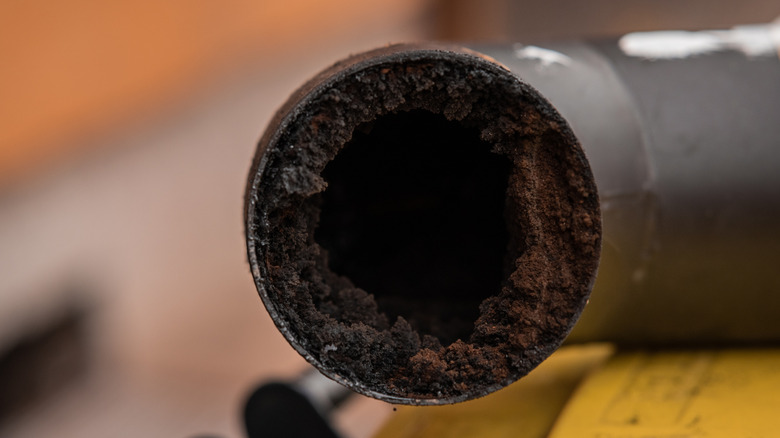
[
  {"x": 413, "y": 214},
  {"x": 42, "y": 362}
]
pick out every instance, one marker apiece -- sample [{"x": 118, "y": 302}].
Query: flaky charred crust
[{"x": 551, "y": 214}]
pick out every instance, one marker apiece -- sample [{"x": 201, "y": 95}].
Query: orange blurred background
[{"x": 73, "y": 69}]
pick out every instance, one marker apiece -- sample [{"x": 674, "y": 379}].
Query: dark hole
[{"x": 413, "y": 214}]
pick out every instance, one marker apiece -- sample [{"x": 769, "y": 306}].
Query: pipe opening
[
  {"x": 421, "y": 225},
  {"x": 413, "y": 214}
]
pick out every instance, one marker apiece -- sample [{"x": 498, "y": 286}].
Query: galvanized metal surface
[{"x": 682, "y": 131}]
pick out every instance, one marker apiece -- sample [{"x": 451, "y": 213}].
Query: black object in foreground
[{"x": 294, "y": 409}]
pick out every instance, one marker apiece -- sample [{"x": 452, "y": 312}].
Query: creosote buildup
[{"x": 422, "y": 226}]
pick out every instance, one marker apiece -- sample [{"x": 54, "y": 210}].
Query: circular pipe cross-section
[{"x": 422, "y": 226}]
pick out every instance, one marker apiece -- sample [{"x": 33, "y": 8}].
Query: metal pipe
[
  {"x": 423, "y": 226},
  {"x": 681, "y": 130}
]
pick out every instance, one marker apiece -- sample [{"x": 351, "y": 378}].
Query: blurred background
[{"x": 126, "y": 132}]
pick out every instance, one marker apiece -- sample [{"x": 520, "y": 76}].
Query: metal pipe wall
[{"x": 682, "y": 131}]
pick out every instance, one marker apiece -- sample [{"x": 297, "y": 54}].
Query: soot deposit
[{"x": 422, "y": 226}]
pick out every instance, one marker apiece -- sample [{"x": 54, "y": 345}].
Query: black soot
[{"x": 422, "y": 226}]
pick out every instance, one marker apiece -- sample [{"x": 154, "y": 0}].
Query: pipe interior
[{"x": 414, "y": 214}]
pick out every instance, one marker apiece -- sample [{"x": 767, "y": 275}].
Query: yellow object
[
  {"x": 525, "y": 409},
  {"x": 678, "y": 394}
]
